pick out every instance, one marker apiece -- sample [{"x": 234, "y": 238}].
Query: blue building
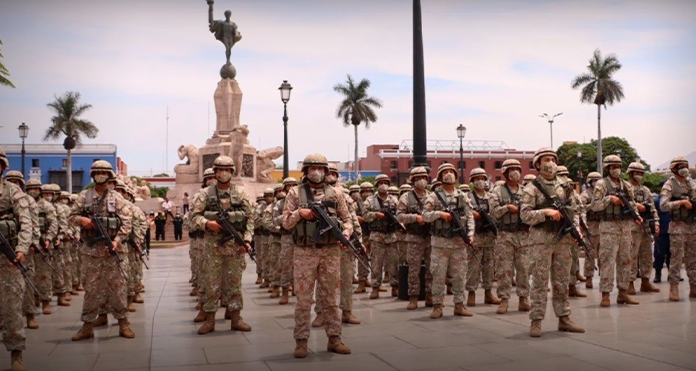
[{"x": 48, "y": 162}]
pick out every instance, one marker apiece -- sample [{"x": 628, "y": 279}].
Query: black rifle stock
[
  {"x": 9, "y": 252},
  {"x": 138, "y": 251},
  {"x": 44, "y": 255},
  {"x": 103, "y": 235},
  {"x": 627, "y": 210},
  {"x": 460, "y": 229},
  {"x": 231, "y": 234}
]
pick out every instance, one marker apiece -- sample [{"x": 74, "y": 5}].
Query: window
[
  {"x": 34, "y": 162},
  {"x": 498, "y": 165},
  {"x": 462, "y": 165},
  {"x": 394, "y": 165},
  {"x": 531, "y": 165},
  {"x": 65, "y": 163},
  {"x": 497, "y": 178},
  {"x": 410, "y": 164},
  {"x": 430, "y": 164},
  {"x": 482, "y": 164}
]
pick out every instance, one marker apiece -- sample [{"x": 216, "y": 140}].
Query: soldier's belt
[
  {"x": 516, "y": 227},
  {"x": 550, "y": 225}
]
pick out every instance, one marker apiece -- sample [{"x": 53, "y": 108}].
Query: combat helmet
[
  {"x": 435, "y": 183},
  {"x": 476, "y": 172},
  {"x": 223, "y": 162},
  {"x": 101, "y": 165},
  {"x": 635, "y": 166},
  {"x": 441, "y": 169},
  {"x": 56, "y": 189},
  {"x": 73, "y": 197},
  {"x": 392, "y": 190},
  {"x": 290, "y": 181},
  {"x": 418, "y": 171},
  {"x": 268, "y": 192},
  {"x": 259, "y": 197},
  {"x": 529, "y": 178},
  {"x": 208, "y": 173},
  {"x": 4, "y": 159},
  {"x": 679, "y": 160},
  {"x": 46, "y": 188},
  {"x": 64, "y": 194},
  {"x": 354, "y": 188},
  {"x": 510, "y": 163},
  {"x": 382, "y": 178},
  {"x": 611, "y": 160},
  {"x": 464, "y": 188},
  {"x": 333, "y": 168},
  {"x": 277, "y": 188},
  {"x": 541, "y": 152},
  {"x": 562, "y": 171},
  {"x": 367, "y": 186},
  {"x": 315, "y": 159},
  {"x": 405, "y": 188},
  {"x": 15, "y": 175},
  {"x": 120, "y": 184}
]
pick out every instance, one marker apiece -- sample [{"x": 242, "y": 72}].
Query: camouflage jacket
[
  {"x": 50, "y": 219},
  {"x": 432, "y": 212},
  {"x": 291, "y": 211},
  {"x": 602, "y": 198},
  {"x": 202, "y": 204},
  {"x": 12, "y": 201},
  {"x": 35, "y": 229},
  {"x": 672, "y": 190},
  {"x": 407, "y": 211},
  {"x": 532, "y": 208},
  {"x": 371, "y": 207}
]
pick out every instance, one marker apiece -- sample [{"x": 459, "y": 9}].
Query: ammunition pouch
[
  {"x": 418, "y": 230},
  {"x": 550, "y": 225},
  {"x": 10, "y": 229},
  {"x": 304, "y": 230}
]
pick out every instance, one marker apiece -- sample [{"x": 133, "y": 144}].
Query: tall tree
[
  {"x": 598, "y": 87},
  {"x": 356, "y": 108},
  {"x": 4, "y": 73},
  {"x": 67, "y": 121}
]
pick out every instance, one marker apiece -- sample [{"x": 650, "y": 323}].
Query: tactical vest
[
  {"x": 510, "y": 222},
  {"x": 230, "y": 204},
  {"x": 415, "y": 206},
  {"x": 104, "y": 210},
  {"x": 380, "y": 225},
  {"x": 592, "y": 216},
  {"x": 481, "y": 204},
  {"x": 305, "y": 229},
  {"x": 681, "y": 192},
  {"x": 43, "y": 222},
  {"x": 613, "y": 212},
  {"x": 441, "y": 228},
  {"x": 281, "y": 205},
  {"x": 359, "y": 212},
  {"x": 9, "y": 226},
  {"x": 549, "y": 224},
  {"x": 641, "y": 197}
]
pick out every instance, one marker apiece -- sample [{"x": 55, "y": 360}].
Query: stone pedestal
[{"x": 228, "y": 106}]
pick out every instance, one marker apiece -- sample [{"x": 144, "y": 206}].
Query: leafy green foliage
[
  {"x": 568, "y": 155},
  {"x": 158, "y": 191},
  {"x": 161, "y": 175},
  {"x": 598, "y": 86},
  {"x": 653, "y": 180},
  {"x": 370, "y": 179},
  {"x": 66, "y": 120},
  {"x": 4, "y": 73}
]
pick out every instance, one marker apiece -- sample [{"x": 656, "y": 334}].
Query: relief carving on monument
[{"x": 265, "y": 165}]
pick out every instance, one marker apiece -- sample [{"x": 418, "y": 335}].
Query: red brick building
[{"x": 396, "y": 160}]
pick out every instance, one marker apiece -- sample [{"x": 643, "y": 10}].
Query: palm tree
[
  {"x": 67, "y": 121},
  {"x": 3, "y": 73},
  {"x": 599, "y": 88},
  {"x": 356, "y": 108}
]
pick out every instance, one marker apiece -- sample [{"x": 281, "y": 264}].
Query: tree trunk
[
  {"x": 357, "y": 170},
  {"x": 599, "y": 139},
  {"x": 69, "y": 170}
]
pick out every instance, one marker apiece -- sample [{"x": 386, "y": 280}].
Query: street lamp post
[
  {"x": 461, "y": 132},
  {"x": 550, "y": 120},
  {"x": 23, "y": 133},
  {"x": 580, "y": 168},
  {"x": 285, "y": 89}
]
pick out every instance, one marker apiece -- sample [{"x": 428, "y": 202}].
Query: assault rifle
[
  {"x": 45, "y": 255},
  {"x": 9, "y": 252},
  {"x": 692, "y": 212},
  {"x": 487, "y": 222},
  {"x": 586, "y": 233},
  {"x": 391, "y": 219},
  {"x": 627, "y": 210},
  {"x": 459, "y": 228},
  {"x": 138, "y": 251},
  {"x": 229, "y": 233},
  {"x": 103, "y": 235},
  {"x": 328, "y": 225}
]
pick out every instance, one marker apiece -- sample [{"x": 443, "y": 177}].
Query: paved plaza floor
[{"x": 654, "y": 336}]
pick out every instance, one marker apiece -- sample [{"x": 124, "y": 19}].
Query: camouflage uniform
[
  {"x": 273, "y": 253},
  {"x": 363, "y": 273},
  {"x": 60, "y": 248},
  {"x": 382, "y": 240},
  {"x": 48, "y": 225},
  {"x": 641, "y": 252},
  {"x": 260, "y": 237},
  {"x": 587, "y": 197},
  {"x": 68, "y": 244},
  {"x": 483, "y": 250},
  {"x": 287, "y": 244}
]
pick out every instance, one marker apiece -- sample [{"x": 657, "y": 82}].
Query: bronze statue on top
[{"x": 226, "y": 31}]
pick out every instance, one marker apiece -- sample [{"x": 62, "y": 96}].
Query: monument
[{"x": 230, "y": 136}]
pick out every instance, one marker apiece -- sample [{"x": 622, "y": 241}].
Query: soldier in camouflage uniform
[
  {"x": 197, "y": 233},
  {"x": 320, "y": 261},
  {"x": 573, "y": 291},
  {"x": 273, "y": 256},
  {"x": 60, "y": 248},
  {"x": 382, "y": 236},
  {"x": 75, "y": 252},
  {"x": 16, "y": 227},
  {"x": 483, "y": 251},
  {"x": 400, "y": 235},
  {"x": 587, "y": 197},
  {"x": 48, "y": 228},
  {"x": 260, "y": 239},
  {"x": 677, "y": 198},
  {"x": 265, "y": 263},
  {"x": 448, "y": 247},
  {"x": 528, "y": 179},
  {"x": 511, "y": 252},
  {"x": 417, "y": 236},
  {"x": 364, "y": 191},
  {"x": 615, "y": 232},
  {"x": 137, "y": 238},
  {"x": 63, "y": 200},
  {"x": 225, "y": 264},
  {"x": 641, "y": 251},
  {"x": 105, "y": 281},
  {"x": 548, "y": 255},
  {"x": 287, "y": 245}
]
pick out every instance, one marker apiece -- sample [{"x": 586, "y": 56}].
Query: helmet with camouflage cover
[
  {"x": 208, "y": 173},
  {"x": 442, "y": 168},
  {"x": 259, "y": 196},
  {"x": 46, "y": 188},
  {"x": 290, "y": 181},
  {"x": 416, "y": 172},
  {"x": 477, "y": 172},
  {"x": 277, "y": 188},
  {"x": 101, "y": 165},
  {"x": 354, "y": 188},
  {"x": 392, "y": 190},
  {"x": 510, "y": 163},
  {"x": 529, "y": 178},
  {"x": 56, "y": 189},
  {"x": 15, "y": 175},
  {"x": 223, "y": 162},
  {"x": 333, "y": 168},
  {"x": 405, "y": 188},
  {"x": 64, "y": 194},
  {"x": 435, "y": 183},
  {"x": 679, "y": 160},
  {"x": 73, "y": 197},
  {"x": 120, "y": 184},
  {"x": 268, "y": 192},
  {"x": 562, "y": 171},
  {"x": 315, "y": 159},
  {"x": 611, "y": 160},
  {"x": 366, "y": 186},
  {"x": 33, "y": 183},
  {"x": 541, "y": 152},
  {"x": 635, "y": 166},
  {"x": 594, "y": 176},
  {"x": 3, "y": 159},
  {"x": 382, "y": 178},
  {"x": 464, "y": 188}
]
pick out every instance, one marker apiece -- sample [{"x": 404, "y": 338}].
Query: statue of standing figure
[{"x": 226, "y": 31}]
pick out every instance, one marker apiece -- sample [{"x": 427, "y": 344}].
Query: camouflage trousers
[
  {"x": 273, "y": 262},
  {"x": 201, "y": 271},
  {"x": 59, "y": 263},
  {"x": 444, "y": 261},
  {"x": 415, "y": 253},
  {"x": 43, "y": 278},
  {"x": 193, "y": 255},
  {"x": 615, "y": 254},
  {"x": 323, "y": 266},
  {"x": 364, "y": 273},
  {"x": 68, "y": 269},
  {"x": 134, "y": 271},
  {"x": 105, "y": 287},
  {"x": 28, "y": 306},
  {"x": 345, "y": 302},
  {"x": 12, "y": 289},
  {"x": 287, "y": 252},
  {"x": 77, "y": 264},
  {"x": 549, "y": 256},
  {"x": 261, "y": 243},
  {"x": 574, "y": 264},
  {"x": 384, "y": 260},
  {"x": 641, "y": 254},
  {"x": 511, "y": 253},
  {"x": 590, "y": 261},
  {"x": 223, "y": 279},
  {"x": 484, "y": 252},
  {"x": 683, "y": 249}
]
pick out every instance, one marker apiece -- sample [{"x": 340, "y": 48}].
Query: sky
[{"x": 493, "y": 66}]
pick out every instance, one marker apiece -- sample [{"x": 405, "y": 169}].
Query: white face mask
[
  {"x": 549, "y": 168},
  {"x": 448, "y": 178},
  {"x": 316, "y": 176},
  {"x": 382, "y": 188},
  {"x": 48, "y": 197},
  {"x": 223, "y": 176},
  {"x": 615, "y": 172},
  {"x": 63, "y": 201},
  {"x": 514, "y": 175},
  {"x": 421, "y": 183},
  {"x": 34, "y": 193},
  {"x": 638, "y": 178},
  {"x": 683, "y": 172},
  {"x": 479, "y": 184},
  {"x": 331, "y": 179},
  {"x": 100, "y": 178},
  {"x": 355, "y": 196}
]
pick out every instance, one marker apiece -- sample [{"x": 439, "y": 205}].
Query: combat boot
[
  {"x": 588, "y": 282},
  {"x": 503, "y": 307},
  {"x": 194, "y": 291},
  {"x": 692, "y": 292},
  {"x": 336, "y": 346},
  {"x": 449, "y": 289},
  {"x": 31, "y": 322},
  {"x": 565, "y": 324},
  {"x": 300, "y": 348},
  {"x": 74, "y": 291},
  {"x": 386, "y": 278},
  {"x": 198, "y": 306},
  {"x": 524, "y": 305},
  {"x": 37, "y": 301},
  {"x": 623, "y": 298},
  {"x": 658, "y": 276},
  {"x": 17, "y": 361},
  {"x": 258, "y": 279},
  {"x": 375, "y": 293},
  {"x": 355, "y": 280},
  {"x": 264, "y": 284},
  {"x": 413, "y": 302},
  {"x": 237, "y": 323},
  {"x": 471, "y": 300},
  {"x": 605, "y": 300},
  {"x": 631, "y": 289},
  {"x": 382, "y": 288},
  {"x": 46, "y": 307},
  {"x": 437, "y": 311},
  {"x": 228, "y": 314},
  {"x": 275, "y": 292},
  {"x": 209, "y": 325},
  {"x": 319, "y": 321},
  {"x": 285, "y": 297},
  {"x": 580, "y": 277},
  {"x": 361, "y": 287},
  {"x": 62, "y": 302},
  {"x": 646, "y": 286},
  {"x": 574, "y": 292},
  {"x": 124, "y": 330},
  {"x": 460, "y": 310},
  {"x": 348, "y": 317},
  {"x": 86, "y": 332},
  {"x": 200, "y": 317},
  {"x": 535, "y": 329},
  {"x": 395, "y": 292},
  {"x": 490, "y": 298},
  {"x": 102, "y": 320},
  {"x": 67, "y": 296},
  {"x": 131, "y": 307},
  {"x": 673, "y": 291},
  {"x": 138, "y": 299},
  {"x": 428, "y": 299}
]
